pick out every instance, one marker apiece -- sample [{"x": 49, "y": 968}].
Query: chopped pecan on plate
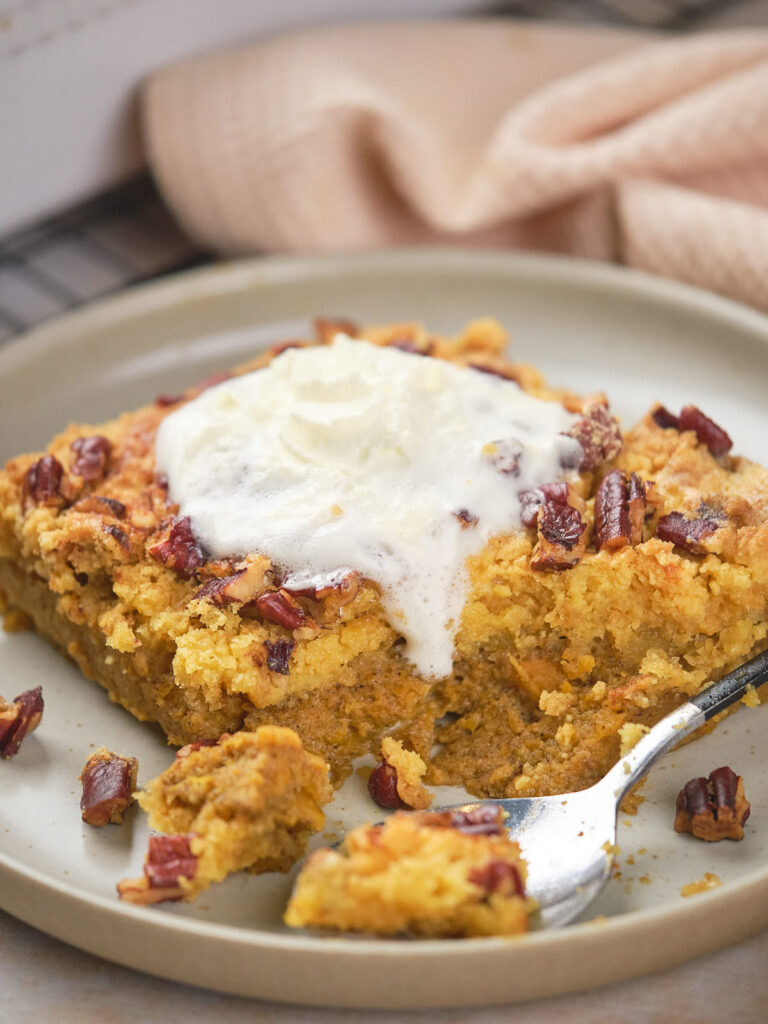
[
  {"x": 382, "y": 785},
  {"x": 395, "y": 782},
  {"x": 108, "y": 784},
  {"x": 168, "y": 860},
  {"x": 18, "y": 718},
  {"x": 713, "y": 809}
]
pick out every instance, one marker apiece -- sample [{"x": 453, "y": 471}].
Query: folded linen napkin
[{"x": 606, "y": 144}]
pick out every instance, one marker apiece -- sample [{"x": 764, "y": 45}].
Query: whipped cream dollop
[{"x": 352, "y": 455}]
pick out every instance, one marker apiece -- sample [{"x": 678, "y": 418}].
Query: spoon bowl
[{"x": 569, "y": 841}]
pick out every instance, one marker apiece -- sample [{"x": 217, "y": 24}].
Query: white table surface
[{"x": 42, "y": 980}]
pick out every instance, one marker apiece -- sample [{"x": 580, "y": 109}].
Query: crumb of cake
[
  {"x": 709, "y": 881},
  {"x": 248, "y": 802},
  {"x": 109, "y": 781},
  {"x": 644, "y": 880},
  {"x": 632, "y": 800},
  {"x": 423, "y": 874},
  {"x": 751, "y": 697},
  {"x": 630, "y": 735},
  {"x": 398, "y": 777},
  {"x": 18, "y": 718},
  {"x": 714, "y": 808}
]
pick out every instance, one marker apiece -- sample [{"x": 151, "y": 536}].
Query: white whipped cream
[{"x": 353, "y": 455}]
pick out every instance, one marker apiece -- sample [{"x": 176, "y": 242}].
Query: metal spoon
[{"x": 568, "y": 841}]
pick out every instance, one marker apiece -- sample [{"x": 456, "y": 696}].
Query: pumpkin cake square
[{"x": 385, "y": 532}]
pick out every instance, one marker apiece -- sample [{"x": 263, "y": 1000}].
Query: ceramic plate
[{"x": 587, "y": 326}]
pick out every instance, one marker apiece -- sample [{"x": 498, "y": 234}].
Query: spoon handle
[
  {"x": 684, "y": 720},
  {"x": 732, "y": 687}
]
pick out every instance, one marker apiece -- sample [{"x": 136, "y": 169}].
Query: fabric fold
[{"x": 607, "y": 144}]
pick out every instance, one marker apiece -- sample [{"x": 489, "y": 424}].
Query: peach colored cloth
[{"x": 606, "y": 144}]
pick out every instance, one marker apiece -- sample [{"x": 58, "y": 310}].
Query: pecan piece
[
  {"x": 620, "y": 505},
  {"x": 561, "y": 537},
  {"x": 278, "y": 606},
  {"x": 19, "y": 718},
  {"x": 707, "y": 431},
  {"x": 713, "y": 809},
  {"x": 108, "y": 784},
  {"x": 164, "y": 399},
  {"x": 486, "y": 820},
  {"x": 91, "y": 457},
  {"x": 396, "y": 779},
  {"x": 241, "y": 586},
  {"x": 382, "y": 785},
  {"x": 9, "y": 714},
  {"x": 466, "y": 518},
  {"x": 498, "y": 876},
  {"x": 42, "y": 482},
  {"x": 692, "y": 418},
  {"x": 168, "y": 860},
  {"x": 118, "y": 535},
  {"x": 279, "y": 655},
  {"x": 505, "y": 455},
  {"x": 139, "y": 892},
  {"x": 665, "y": 419},
  {"x": 101, "y": 506},
  {"x": 687, "y": 534},
  {"x": 560, "y": 492},
  {"x": 179, "y": 550},
  {"x": 598, "y": 434},
  {"x": 326, "y": 328}
]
